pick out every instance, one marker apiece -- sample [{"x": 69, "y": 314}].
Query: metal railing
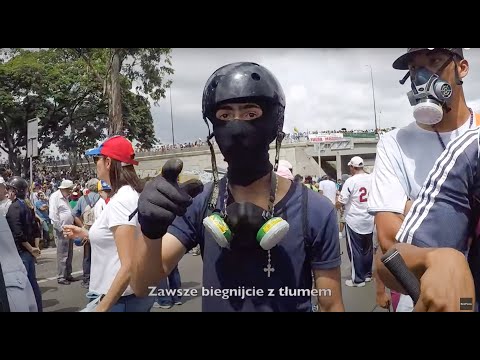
[{"x": 202, "y": 148}]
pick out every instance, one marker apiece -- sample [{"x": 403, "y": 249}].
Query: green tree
[
  {"x": 146, "y": 68},
  {"x": 138, "y": 120},
  {"x": 58, "y": 89}
]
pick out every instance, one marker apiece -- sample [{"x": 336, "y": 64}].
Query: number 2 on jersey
[{"x": 363, "y": 195}]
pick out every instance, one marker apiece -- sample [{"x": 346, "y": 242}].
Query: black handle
[{"x": 396, "y": 265}]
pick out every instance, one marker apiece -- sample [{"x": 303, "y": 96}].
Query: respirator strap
[
  {"x": 449, "y": 60},
  {"x": 273, "y": 175},
  {"x": 278, "y": 145},
  {"x": 212, "y": 203},
  {"x": 445, "y": 64},
  {"x": 439, "y": 71},
  {"x": 457, "y": 77},
  {"x": 305, "y": 225},
  {"x": 405, "y": 78},
  {"x": 273, "y": 194}
]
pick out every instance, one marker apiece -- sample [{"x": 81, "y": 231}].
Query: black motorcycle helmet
[
  {"x": 20, "y": 186},
  {"x": 244, "y": 82}
]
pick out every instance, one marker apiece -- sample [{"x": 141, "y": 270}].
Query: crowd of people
[
  {"x": 49, "y": 176},
  {"x": 36, "y": 215},
  {"x": 53, "y": 207},
  {"x": 260, "y": 227},
  {"x": 52, "y": 162}
]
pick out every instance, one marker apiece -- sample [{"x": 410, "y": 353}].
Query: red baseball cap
[{"x": 118, "y": 148}]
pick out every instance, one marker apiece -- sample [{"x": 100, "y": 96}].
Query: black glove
[{"x": 163, "y": 199}]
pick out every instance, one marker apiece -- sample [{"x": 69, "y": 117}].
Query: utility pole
[{"x": 374, "y": 104}]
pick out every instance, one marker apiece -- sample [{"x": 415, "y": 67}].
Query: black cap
[{"x": 402, "y": 62}]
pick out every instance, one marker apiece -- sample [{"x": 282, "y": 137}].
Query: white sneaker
[
  {"x": 340, "y": 234},
  {"x": 350, "y": 283},
  {"x": 156, "y": 305},
  {"x": 368, "y": 279}
]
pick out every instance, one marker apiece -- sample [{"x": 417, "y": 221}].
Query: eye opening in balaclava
[{"x": 267, "y": 123}]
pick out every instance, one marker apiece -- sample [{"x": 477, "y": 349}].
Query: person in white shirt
[
  {"x": 328, "y": 189},
  {"x": 5, "y": 202},
  {"x": 405, "y": 156},
  {"x": 60, "y": 214},
  {"x": 359, "y": 223},
  {"x": 114, "y": 233}
]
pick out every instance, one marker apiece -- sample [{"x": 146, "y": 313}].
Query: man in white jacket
[{"x": 60, "y": 213}]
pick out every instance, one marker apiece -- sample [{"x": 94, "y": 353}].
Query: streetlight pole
[
  {"x": 373, "y": 92},
  {"x": 171, "y": 116}
]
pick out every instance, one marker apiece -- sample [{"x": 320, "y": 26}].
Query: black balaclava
[{"x": 245, "y": 143}]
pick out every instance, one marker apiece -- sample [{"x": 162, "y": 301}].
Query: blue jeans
[
  {"x": 132, "y": 303},
  {"x": 29, "y": 262},
  {"x": 173, "y": 282}
]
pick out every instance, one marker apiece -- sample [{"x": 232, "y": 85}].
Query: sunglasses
[{"x": 96, "y": 158}]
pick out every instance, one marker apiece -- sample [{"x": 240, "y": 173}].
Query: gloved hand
[{"x": 163, "y": 199}]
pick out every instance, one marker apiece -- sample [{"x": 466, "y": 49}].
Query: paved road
[
  {"x": 68, "y": 298},
  {"x": 71, "y": 298}
]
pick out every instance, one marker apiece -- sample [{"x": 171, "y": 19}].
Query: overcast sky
[{"x": 326, "y": 89}]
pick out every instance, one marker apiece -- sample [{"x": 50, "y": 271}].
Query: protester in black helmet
[
  {"x": 261, "y": 236},
  {"x": 21, "y": 219}
]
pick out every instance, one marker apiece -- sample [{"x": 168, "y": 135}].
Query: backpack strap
[
  {"x": 98, "y": 199},
  {"x": 87, "y": 200},
  {"x": 306, "y": 240},
  {"x": 210, "y": 203}
]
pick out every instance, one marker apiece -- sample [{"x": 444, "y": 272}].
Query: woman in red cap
[{"x": 113, "y": 233}]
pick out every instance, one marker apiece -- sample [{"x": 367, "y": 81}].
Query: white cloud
[
  {"x": 297, "y": 94},
  {"x": 325, "y": 88}
]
